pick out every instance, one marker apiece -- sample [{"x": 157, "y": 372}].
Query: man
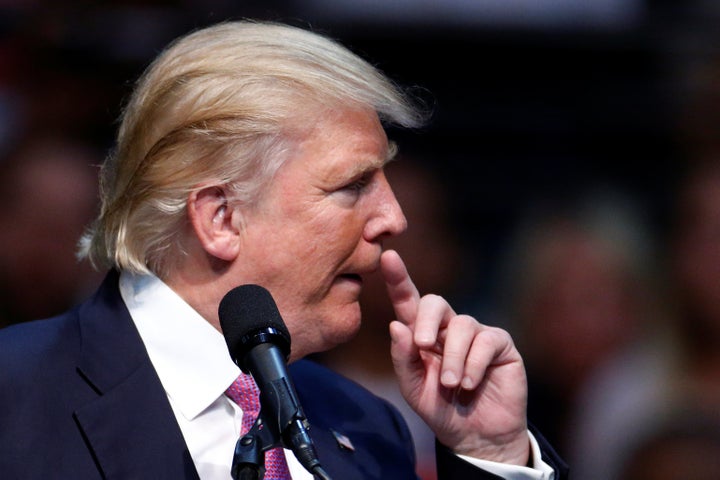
[{"x": 253, "y": 153}]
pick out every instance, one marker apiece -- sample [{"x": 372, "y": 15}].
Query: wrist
[{"x": 514, "y": 451}]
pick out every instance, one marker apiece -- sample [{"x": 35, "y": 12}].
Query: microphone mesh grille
[{"x": 246, "y": 309}]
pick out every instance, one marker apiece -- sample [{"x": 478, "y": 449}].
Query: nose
[{"x": 388, "y": 219}]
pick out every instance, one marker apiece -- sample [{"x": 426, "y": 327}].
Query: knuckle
[{"x": 431, "y": 298}]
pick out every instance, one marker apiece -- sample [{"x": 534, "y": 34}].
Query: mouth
[
  {"x": 356, "y": 275},
  {"x": 352, "y": 277}
]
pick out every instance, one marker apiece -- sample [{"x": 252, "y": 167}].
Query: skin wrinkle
[
  {"x": 336, "y": 227},
  {"x": 296, "y": 200}
]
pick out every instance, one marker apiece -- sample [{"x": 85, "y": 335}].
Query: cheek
[
  {"x": 347, "y": 232},
  {"x": 326, "y": 242}
]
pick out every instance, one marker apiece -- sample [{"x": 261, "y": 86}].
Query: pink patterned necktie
[{"x": 246, "y": 394}]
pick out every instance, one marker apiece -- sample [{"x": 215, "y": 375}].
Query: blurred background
[{"x": 567, "y": 189}]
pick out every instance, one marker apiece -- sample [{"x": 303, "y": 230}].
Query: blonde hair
[{"x": 219, "y": 107}]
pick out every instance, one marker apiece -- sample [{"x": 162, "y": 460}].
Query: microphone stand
[{"x": 249, "y": 457}]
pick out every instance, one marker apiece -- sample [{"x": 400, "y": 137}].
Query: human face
[{"x": 319, "y": 226}]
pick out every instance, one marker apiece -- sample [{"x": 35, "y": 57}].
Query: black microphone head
[{"x": 249, "y": 316}]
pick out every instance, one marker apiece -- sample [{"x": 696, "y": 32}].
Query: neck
[{"x": 202, "y": 289}]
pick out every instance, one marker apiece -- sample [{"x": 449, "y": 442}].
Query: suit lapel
[
  {"x": 333, "y": 457},
  {"x": 130, "y": 426},
  {"x": 336, "y": 407}
]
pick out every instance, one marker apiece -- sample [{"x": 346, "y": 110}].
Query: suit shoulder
[
  {"x": 335, "y": 404},
  {"x": 325, "y": 380},
  {"x": 323, "y": 389},
  {"x": 30, "y": 347}
]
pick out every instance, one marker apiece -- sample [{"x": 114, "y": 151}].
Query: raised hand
[{"x": 465, "y": 380}]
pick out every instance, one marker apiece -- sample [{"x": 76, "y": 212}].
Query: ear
[{"x": 212, "y": 220}]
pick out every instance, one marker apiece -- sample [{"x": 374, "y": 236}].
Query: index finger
[{"x": 403, "y": 294}]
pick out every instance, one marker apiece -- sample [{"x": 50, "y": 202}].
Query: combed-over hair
[{"x": 219, "y": 107}]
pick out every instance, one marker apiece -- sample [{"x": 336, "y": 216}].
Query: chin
[
  {"x": 342, "y": 329},
  {"x": 350, "y": 332},
  {"x": 327, "y": 332},
  {"x": 345, "y": 329}
]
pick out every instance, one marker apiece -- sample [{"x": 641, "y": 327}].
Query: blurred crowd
[{"x": 617, "y": 317}]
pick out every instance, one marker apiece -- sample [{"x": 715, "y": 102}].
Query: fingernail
[
  {"x": 467, "y": 383},
  {"x": 449, "y": 378},
  {"x": 425, "y": 341}
]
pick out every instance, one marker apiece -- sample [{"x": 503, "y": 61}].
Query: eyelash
[{"x": 360, "y": 183}]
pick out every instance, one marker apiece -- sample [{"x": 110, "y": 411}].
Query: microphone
[{"x": 259, "y": 343}]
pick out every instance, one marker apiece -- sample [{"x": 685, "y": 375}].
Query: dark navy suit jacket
[{"x": 80, "y": 399}]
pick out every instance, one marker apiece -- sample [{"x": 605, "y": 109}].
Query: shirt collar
[{"x": 190, "y": 355}]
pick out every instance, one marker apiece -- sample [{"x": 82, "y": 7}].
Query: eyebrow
[{"x": 360, "y": 170}]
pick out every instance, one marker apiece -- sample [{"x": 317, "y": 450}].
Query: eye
[{"x": 359, "y": 184}]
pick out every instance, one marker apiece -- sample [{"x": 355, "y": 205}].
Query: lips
[
  {"x": 360, "y": 270},
  {"x": 352, "y": 276}
]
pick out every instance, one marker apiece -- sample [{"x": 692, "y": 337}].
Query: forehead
[{"x": 344, "y": 143}]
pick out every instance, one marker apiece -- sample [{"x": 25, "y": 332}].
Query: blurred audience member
[
  {"x": 13, "y": 104},
  {"x": 576, "y": 290},
  {"x": 686, "y": 447},
  {"x": 696, "y": 264},
  {"x": 677, "y": 367},
  {"x": 433, "y": 255},
  {"x": 48, "y": 194}
]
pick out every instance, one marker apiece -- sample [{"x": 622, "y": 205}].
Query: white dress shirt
[{"x": 193, "y": 363}]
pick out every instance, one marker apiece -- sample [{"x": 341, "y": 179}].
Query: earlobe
[{"x": 211, "y": 220}]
